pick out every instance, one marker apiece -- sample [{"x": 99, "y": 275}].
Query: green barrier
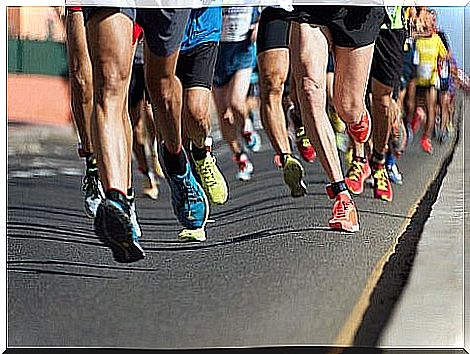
[{"x": 37, "y": 57}]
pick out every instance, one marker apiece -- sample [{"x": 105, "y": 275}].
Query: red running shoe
[
  {"x": 360, "y": 131},
  {"x": 304, "y": 147},
  {"x": 345, "y": 216},
  {"x": 356, "y": 176},
  {"x": 426, "y": 145}
]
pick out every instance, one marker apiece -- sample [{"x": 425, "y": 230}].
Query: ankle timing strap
[{"x": 336, "y": 188}]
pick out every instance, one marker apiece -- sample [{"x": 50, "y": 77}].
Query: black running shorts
[
  {"x": 196, "y": 67},
  {"x": 389, "y": 56},
  {"x": 89, "y": 11},
  {"x": 273, "y": 30},
  {"x": 350, "y": 26},
  {"x": 163, "y": 28}
]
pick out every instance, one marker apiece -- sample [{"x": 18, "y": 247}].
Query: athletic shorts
[
  {"x": 350, "y": 26},
  {"x": 73, "y": 9},
  {"x": 196, "y": 66},
  {"x": 387, "y": 63},
  {"x": 410, "y": 70},
  {"x": 89, "y": 11},
  {"x": 233, "y": 57},
  {"x": 330, "y": 68},
  {"x": 137, "y": 87},
  {"x": 445, "y": 85},
  {"x": 137, "y": 31},
  {"x": 163, "y": 28},
  {"x": 273, "y": 30}
]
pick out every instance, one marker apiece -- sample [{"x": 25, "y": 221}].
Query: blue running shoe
[
  {"x": 117, "y": 225},
  {"x": 394, "y": 174},
  {"x": 188, "y": 199}
]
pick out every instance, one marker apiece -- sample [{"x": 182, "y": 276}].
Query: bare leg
[
  {"x": 309, "y": 60},
  {"x": 273, "y": 69},
  {"x": 111, "y": 55},
  {"x": 81, "y": 83}
]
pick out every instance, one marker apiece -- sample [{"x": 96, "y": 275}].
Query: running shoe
[
  {"x": 151, "y": 187},
  {"x": 304, "y": 147},
  {"x": 91, "y": 186},
  {"x": 361, "y": 130},
  {"x": 251, "y": 137},
  {"x": 252, "y": 141},
  {"x": 336, "y": 122},
  {"x": 382, "y": 185},
  {"x": 394, "y": 174},
  {"x": 356, "y": 176},
  {"x": 212, "y": 180},
  {"x": 293, "y": 176},
  {"x": 426, "y": 145},
  {"x": 188, "y": 199},
  {"x": 245, "y": 167},
  {"x": 345, "y": 216},
  {"x": 116, "y": 223}
]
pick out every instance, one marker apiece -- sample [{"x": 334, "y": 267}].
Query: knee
[
  {"x": 350, "y": 110},
  {"x": 113, "y": 81},
  {"x": 272, "y": 85},
  {"x": 81, "y": 82},
  {"x": 313, "y": 90},
  {"x": 199, "y": 114}
]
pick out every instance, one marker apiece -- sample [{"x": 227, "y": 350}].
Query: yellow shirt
[{"x": 429, "y": 49}]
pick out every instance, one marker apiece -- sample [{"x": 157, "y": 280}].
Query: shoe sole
[
  {"x": 343, "y": 226},
  {"x": 293, "y": 174},
  {"x": 192, "y": 235},
  {"x": 115, "y": 229}
]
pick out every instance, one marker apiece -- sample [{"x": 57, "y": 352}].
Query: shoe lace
[
  {"x": 381, "y": 178},
  {"x": 206, "y": 171},
  {"x": 91, "y": 185},
  {"x": 355, "y": 170}
]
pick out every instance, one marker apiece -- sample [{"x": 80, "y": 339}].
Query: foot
[
  {"x": 304, "y": 147},
  {"x": 426, "y": 145},
  {"x": 151, "y": 187},
  {"x": 382, "y": 185},
  {"x": 252, "y": 140},
  {"x": 92, "y": 189},
  {"x": 293, "y": 176},
  {"x": 344, "y": 216},
  {"x": 361, "y": 130},
  {"x": 188, "y": 199},
  {"x": 116, "y": 223},
  {"x": 357, "y": 174},
  {"x": 245, "y": 167},
  {"x": 212, "y": 180}
]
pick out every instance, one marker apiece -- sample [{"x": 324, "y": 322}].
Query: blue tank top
[{"x": 204, "y": 25}]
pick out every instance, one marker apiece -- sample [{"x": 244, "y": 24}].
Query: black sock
[
  {"x": 174, "y": 163},
  {"x": 378, "y": 157},
  {"x": 360, "y": 159},
  {"x": 283, "y": 157},
  {"x": 198, "y": 153},
  {"x": 117, "y": 196},
  {"x": 91, "y": 164}
]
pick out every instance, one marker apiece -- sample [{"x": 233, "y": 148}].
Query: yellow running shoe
[
  {"x": 212, "y": 180},
  {"x": 293, "y": 176}
]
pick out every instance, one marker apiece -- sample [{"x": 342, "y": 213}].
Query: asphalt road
[{"x": 270, "y": 272}]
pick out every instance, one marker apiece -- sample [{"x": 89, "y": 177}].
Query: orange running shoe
[
  {"x": 345, "y": 216},
  {"x": 426, "y": 145},
  {"x": 360, "y": 131},
  {"x": 357, "y": 174},
  {"x": 382, "y": 185}
]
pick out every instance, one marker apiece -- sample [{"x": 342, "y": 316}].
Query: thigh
[
  {"x": 238, "y": 86},
  {"x": 352, "y": 74},
  {"x": 273, "y": 65},
  {"x": 309, "y": 54},
  {"x": 77, "y": 48}
]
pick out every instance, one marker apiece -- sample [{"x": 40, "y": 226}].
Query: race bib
[{"x": 425, "y": 71}]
